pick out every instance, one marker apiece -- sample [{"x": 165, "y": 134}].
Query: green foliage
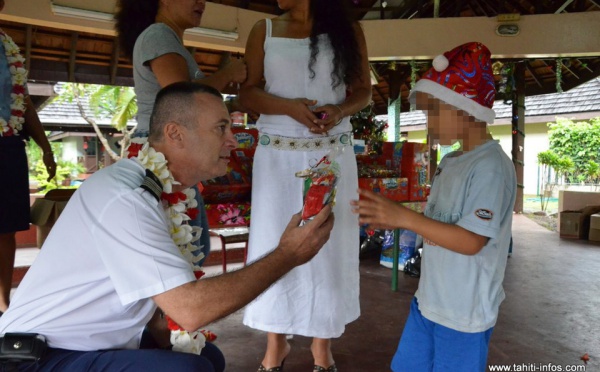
[
  {"x": 118, "y": 103},
  {"x": 591, "y": 172},
  {"x": 34, "y": 153},
  {"x": 548, "y": 160},
  {"x": 578, "y": 141},
  {"x": 65, "y": 170}
]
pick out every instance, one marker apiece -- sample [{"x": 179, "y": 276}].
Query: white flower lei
[
  {"x": 19, "y": 78},
  {"x": 183, "y": 234}
]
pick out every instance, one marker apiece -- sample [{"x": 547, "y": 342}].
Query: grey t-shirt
[
  {"x": 475, "y": 191},
  {"x": 157, "y": 40}
]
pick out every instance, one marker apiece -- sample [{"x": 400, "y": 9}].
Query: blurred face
[
  {"x": 210, "y": 141},
  {"x": 185, "y": 13},
  {"x": 445, "y": 123}
]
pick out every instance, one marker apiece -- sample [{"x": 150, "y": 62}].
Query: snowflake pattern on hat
[{"x": 462, "y": 78}]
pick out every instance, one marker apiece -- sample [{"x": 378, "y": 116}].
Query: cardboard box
[
  {"x": 45, "y": 211},
  {"x": 392, "y": 188},
  {"x": 594, "y": 235},
  {"x": 576, "y": 224},
  {"x": 570, "y": 224},
  {"x": 576, "y": 200},
  {"x": 595, "y": 221}
]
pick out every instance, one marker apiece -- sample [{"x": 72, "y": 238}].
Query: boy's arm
[{"x": 381, "y": 213}]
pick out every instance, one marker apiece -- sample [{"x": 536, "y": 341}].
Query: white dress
[{"x": 320, "y": 297}]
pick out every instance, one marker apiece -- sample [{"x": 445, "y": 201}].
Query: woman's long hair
[
  {"x": 331, "y": 17},
  {"x": 133, "y": 17}
]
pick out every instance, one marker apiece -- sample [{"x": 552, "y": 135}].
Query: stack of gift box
[
  {"x": 398, "y": 173},
  {"x": 227, "y": 198}
]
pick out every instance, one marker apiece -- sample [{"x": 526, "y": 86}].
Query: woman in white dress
[{"x": 313, "y": 59}]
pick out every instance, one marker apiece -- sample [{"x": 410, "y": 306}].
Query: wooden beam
[
  {"x": 72, "y": 56},
  {"x": 562, "y": 7},
  {"x": 28, "y": 36},
  {"x": 114, "y": 62},
  {"x": 533, "y": 74}
]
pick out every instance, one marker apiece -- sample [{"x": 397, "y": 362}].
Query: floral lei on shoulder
[
  {"x": 180, "y": 208},
  {"x": 17, "y": 69}
]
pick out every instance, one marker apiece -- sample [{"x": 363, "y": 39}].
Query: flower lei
[
  {"x": 19, "y": 78},
  {"x": 180, "y": 208}
]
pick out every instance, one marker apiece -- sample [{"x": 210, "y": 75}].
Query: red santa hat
[{"x": 462, "y": 78}]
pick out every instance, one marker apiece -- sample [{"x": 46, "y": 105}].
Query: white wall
[
  {"x": 72, "y": 149},
  {"x": 536, "y": 141}
]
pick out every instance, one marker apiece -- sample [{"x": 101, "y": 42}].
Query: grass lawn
[{"x": 531, "y": 203}]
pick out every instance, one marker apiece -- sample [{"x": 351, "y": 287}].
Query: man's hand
[{"x": 304, "y": 242}]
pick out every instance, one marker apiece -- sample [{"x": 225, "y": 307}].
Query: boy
[{"x": 466, "y": 226}]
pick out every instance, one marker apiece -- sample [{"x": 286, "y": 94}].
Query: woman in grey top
[{"x": 150, "y": 32}]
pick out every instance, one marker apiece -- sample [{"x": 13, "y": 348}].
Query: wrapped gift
[
  {"x": 247, "y": 138},
  {"x": 320, "y": 183},
  {"x": 236, "y": 185},
  {"x": 395, "y": 188}
]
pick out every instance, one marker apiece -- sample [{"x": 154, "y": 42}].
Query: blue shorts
[{"x": 426, "y": 346}]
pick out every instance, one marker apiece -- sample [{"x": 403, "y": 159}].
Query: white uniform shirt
[
  {"x": 108, "y": 253},
  {"x": 475, "y": 191}
]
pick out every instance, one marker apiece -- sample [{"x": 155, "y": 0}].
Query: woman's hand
[
  {"x": 235, "y": 70},
  {"x": 300, "y": 110},
  {"x": 48, "y": 158},
  {"x": 328, "y": 116}
]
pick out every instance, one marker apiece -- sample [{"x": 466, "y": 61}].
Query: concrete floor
[{"x": 551, "y": 313}]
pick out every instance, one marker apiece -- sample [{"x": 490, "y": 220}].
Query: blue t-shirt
[{"x": 477, "y": 192}]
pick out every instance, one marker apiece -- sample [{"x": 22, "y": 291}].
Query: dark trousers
[{"x": 142, "y": 360}]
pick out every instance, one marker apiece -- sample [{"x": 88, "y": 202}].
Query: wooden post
[{"x": 518, "y": 133}]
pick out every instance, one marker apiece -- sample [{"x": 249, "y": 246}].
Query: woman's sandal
[
  {"x": 331, "y": 368},
  {"x": 272, "y": 369}
]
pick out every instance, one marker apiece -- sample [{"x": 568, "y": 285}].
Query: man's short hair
[{"x": 176, "y": 103}]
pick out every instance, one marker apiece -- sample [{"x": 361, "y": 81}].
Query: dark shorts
[{"x": 14, "y": 185}]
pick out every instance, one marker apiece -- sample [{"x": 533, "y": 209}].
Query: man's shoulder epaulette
[{"x": 152, "y": 184}]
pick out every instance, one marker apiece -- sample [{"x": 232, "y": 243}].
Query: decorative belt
[{"x": 305, "y": 144}]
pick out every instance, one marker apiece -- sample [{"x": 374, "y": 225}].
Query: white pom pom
[{"x": 440, "y": 63}]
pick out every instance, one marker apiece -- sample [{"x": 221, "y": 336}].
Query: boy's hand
[{"x": 378, "y": 212}]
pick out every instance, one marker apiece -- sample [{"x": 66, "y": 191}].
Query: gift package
[
  {"x": 236, "y": 185},
  {"x": 399, "y": 172},
  {"x": 319, "y": 185}
]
